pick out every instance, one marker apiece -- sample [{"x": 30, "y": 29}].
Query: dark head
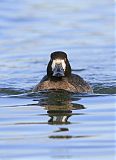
[{"x": 58, "y": 65}]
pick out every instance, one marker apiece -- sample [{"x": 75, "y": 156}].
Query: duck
[{"x": 60, "y": 77}]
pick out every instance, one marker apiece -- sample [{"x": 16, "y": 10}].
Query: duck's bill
[{"x": 58, "y": 71}]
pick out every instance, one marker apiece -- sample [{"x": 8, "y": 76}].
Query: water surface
[{"x": 57, "y": 125}]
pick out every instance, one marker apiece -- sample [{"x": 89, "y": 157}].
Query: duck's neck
[{"x": 55, "y": 79}]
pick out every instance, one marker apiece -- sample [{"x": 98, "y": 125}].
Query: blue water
[{"x": 61, "y": 125}]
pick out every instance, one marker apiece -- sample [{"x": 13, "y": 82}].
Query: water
[{"x": 57, "y": 125}]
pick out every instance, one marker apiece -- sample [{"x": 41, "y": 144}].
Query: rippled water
[{"x": 57, "y": 125}]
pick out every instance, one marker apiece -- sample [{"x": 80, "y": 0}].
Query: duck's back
[
  {"x": 79, "y": 83},
  {"x": 74, "y": 83}
]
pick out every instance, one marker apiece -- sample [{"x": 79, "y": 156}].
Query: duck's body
[
  {"x": 59, "y": 76},
  {"x": 72, "y": 84}
]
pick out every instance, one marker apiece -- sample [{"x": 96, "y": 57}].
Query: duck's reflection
[
  {"x": 59, "y": 106},
  {"x": 59, "y": 117}
]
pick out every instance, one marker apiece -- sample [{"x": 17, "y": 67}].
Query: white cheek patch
[{"x": 59, "y": 61}]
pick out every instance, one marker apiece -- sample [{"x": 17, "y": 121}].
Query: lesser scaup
[{"x": 59, "y": 76}]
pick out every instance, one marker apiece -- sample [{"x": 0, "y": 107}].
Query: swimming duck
[{"x": 60, "y": 77}]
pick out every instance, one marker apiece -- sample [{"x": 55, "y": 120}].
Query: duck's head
[{"x": 58, "y": 65}]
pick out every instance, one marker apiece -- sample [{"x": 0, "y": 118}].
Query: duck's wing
[
  {"x": 45, "y": 78},
  {"x": 37, "y": 87},
  {"x": 80, "y": 84}
]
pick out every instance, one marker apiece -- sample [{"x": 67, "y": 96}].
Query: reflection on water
[
  {"x": 59, "y": 106},
  {"x": 56, "y": 123},
  {"x": 59, "y": 117}
]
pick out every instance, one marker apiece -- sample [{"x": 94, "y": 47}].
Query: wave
[
  {"x": 11, "y": 91},
  {"x": 104, "y": 89},
  {"x": 98, "y": 90}
]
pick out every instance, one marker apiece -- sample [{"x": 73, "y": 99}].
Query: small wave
[
  {"x": 101, "y": 89},
  {"x": 98, "y": 89},
  {"x": 11, "y": 91},
  {"x": 78, "y": 70}
]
